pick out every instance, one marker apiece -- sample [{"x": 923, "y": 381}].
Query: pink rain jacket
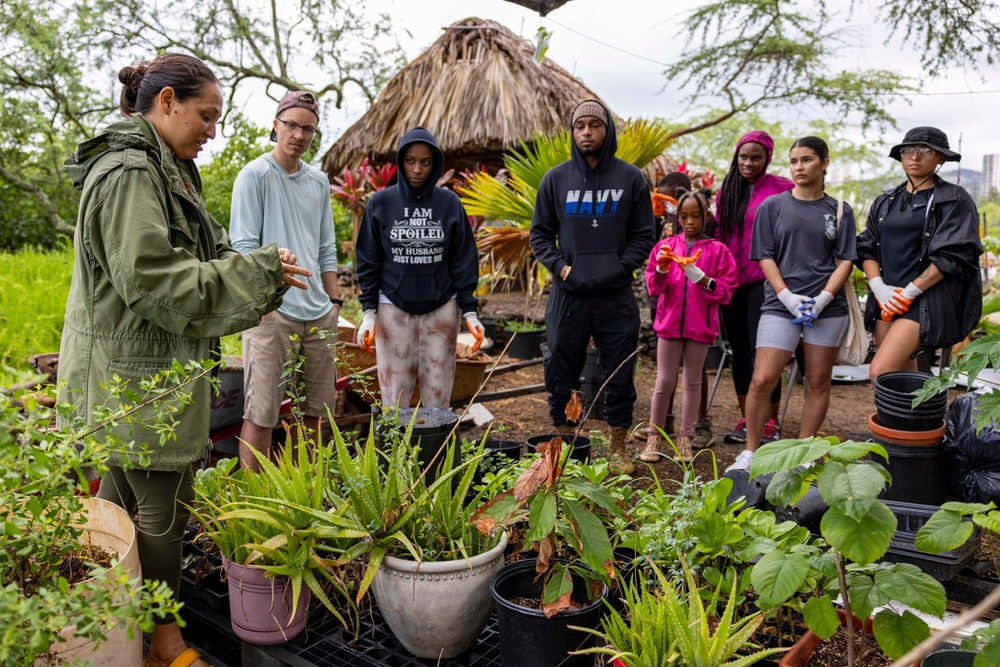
[
  {"x": 767, "y": 185},
  {"x": 686, "y": 309}
]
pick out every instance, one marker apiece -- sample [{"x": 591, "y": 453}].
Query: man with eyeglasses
[{"x": 278, "y": 198}]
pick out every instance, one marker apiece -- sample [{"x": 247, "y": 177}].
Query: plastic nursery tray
[{"x": 943, "y": 566}]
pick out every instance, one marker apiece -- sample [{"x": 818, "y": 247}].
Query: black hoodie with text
[
  {"x": 602, "y": 218},
  {"x": 417, "y": 248}
]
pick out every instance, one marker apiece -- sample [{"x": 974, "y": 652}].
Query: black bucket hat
[{"x": 928, "y": 136}]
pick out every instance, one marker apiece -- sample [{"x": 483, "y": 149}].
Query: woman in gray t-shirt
[{"x": 805, "y": 248}]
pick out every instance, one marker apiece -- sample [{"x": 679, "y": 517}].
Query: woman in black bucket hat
[{"x": 920, "y": 253}]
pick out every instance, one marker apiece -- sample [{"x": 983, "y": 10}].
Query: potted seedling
[
  {"x": 539, "y": 599},
  {"x": 858, "y": 528},
  {"x": 72, "y": 588}
]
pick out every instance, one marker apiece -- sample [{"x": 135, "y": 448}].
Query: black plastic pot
[
  {"x": 902, "y": 384},
  {"x": 526, "y": 344},
  {"x": 527, "y": 637},
  {"x": 908, "y": 420},
  {"x": 509, "y": 448},
  {"x": 919, "y": 472},
  {"x": 807, "y": 512},
  {"x": 949, "y": 659},
  {"x": 906, "y": 401},
  {"x": 581, "y": 444},
  {"x": 430, "y": 430}
]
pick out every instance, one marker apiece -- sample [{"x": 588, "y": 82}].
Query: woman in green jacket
[{"x": 155, "y": 280}]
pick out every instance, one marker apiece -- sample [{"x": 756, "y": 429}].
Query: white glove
[
  {"x": 693, "y": 273},
  {"x": 366, "y": 332},
  {"x": 473, "y": 324},
  {"x": 883, "y": 293},
  {"x": 793, "y": 302},
  {"x": 822, "y": 300},
  {"x": 911, "y": 291}
]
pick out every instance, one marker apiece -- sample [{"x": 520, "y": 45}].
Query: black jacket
[
  {"x": 417, "y": 248},
  {"x": 950, "y": 309},
  {"x": 602, "y": 218}
]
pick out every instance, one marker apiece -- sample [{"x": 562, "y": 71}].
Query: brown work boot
[
  {"x": 655, "y": 444},
  {"x": 621, "y": 462},
  {"x": 685, "y": 452},
  {"x": 703, "y": 436}
]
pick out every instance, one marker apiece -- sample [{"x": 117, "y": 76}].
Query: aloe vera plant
[{"x": 672, "y": 624}]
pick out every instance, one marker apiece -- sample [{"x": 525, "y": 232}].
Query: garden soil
[{"x": 526, "y": 416}]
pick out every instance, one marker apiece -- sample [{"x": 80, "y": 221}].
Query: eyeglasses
[
  {"x": 307, "y": 130},
  {"x": 913, "y": 151}
]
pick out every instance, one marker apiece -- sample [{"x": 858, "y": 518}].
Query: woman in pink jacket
[
  {"x": 691, "y": 274},
  {"x": 746, "y": 186}
]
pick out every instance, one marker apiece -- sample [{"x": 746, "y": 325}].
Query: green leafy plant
[
  {"x": 45, "y": 470},
  {"x": 971, "y": 361},
  {"x": 670, "y": 623},
  {"x": 858, "y": 528},
  {"x": 563, "y": 515}
]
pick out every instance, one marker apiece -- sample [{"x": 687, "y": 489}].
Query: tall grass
[{"x": 33, "y": 293}]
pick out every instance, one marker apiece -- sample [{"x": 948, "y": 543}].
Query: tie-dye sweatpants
[{"x": 412, "y": 347}]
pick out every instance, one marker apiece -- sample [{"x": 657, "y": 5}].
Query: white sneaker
[{"x": 742, "y": 461}]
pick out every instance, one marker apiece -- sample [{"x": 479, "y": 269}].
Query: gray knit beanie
[{"x": 590, "y": 108}]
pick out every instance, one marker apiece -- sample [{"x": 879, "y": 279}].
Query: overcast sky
[{"x": 618, "y": 49}]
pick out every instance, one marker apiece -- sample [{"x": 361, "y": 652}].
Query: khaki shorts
[{"x": 266, "y": 348}]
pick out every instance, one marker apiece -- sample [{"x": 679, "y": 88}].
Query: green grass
[{"x": 33, "y": 294}]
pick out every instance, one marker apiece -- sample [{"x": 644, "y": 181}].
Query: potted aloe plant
[
  {"x": 262, "y": 524},
  {"x": 671, "y": 623}
]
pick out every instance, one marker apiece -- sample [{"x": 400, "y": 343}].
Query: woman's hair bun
[{"x": 132, "y": 76}]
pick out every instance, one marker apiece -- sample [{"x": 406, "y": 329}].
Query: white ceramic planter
[{"x": 437, "y": 610}]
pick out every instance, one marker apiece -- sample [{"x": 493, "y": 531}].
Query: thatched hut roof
[{"x": 478, "y": 89}]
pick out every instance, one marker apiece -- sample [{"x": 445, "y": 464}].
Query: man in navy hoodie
[{"x": 593, "y": 228}]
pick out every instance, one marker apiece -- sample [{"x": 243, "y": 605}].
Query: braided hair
[
  {"x": 734, "y": 196},
  {"x": 683, "y": 195}
]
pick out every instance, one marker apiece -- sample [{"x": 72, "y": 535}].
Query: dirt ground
[{"x": 526, "y": 416}]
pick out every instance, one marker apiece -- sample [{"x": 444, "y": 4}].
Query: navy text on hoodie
[
  {"x": 603, "y": 219},
  {"x": 417, "y": 248}
]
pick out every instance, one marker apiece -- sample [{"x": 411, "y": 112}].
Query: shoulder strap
[{"x": 840, "y": 212}]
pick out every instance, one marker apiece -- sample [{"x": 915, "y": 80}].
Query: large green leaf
[
  {"x": 852, "y": 451},
  {"x": 863, "y": 541},
  {"x": 592, "y": 536},
  {"x": 786, "y": 487},
  {"x": 864, "y": 594},
  {"x": 594, "y": 492},
  {"x": 821, "y": 616},
  {"x": 989, "y": 521},
  {"x": 850, "y": 488},
  {"x": 897, "y": 634},
  {"x": 786, "y": 454},
  {"x": 777, "y": 576},
  {"x": 944, "y": 531},
  {"x": 542, "y": 516},
  {"x": 967, "y": 508},
  {"x": 906, "y": 583},
  {"x": 560, "y": 583}
]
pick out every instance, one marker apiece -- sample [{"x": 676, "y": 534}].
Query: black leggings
[{"x": 741, "y": 317}]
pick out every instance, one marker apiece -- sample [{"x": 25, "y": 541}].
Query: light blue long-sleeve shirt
[{"x": 293, "y": 210}]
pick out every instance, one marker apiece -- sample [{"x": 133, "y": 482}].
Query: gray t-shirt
[{"x": 803, "y": 239}]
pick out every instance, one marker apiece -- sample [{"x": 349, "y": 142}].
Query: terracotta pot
[
  {"x": 916, "y": 438},
  {"x": 803, "y": 649}
]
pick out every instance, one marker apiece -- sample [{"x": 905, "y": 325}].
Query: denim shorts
[{"x": 779, "y": 331}]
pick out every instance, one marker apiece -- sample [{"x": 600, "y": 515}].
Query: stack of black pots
[
  {"x": 912, "y": 437},
  {"x": 894, "y": 394}
]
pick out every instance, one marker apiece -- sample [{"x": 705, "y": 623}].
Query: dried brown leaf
[
  {"x": 574, "y": 409},
  {"x": 484, "y": 522},
  {"x": 545, "y": 550},
  {"x": 537, "y": 473},
  {"x": 563, "y": 602}
]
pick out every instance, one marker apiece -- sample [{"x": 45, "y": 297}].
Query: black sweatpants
[
  {"x": 742, "y": 316},
  {"x": 613, "y": 322}
]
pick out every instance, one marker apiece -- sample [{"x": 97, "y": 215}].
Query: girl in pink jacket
[{"x": 692, "y": 275}]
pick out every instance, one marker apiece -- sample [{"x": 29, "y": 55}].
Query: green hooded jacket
[{"x": 154, "y": 279}]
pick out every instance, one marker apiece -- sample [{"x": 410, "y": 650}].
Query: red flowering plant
[{"x": 353, "y": 187}]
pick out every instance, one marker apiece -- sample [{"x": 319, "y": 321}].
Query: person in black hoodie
[
  {"x": 598, "y": 209},
  {"x": 417, "y": 270}
]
